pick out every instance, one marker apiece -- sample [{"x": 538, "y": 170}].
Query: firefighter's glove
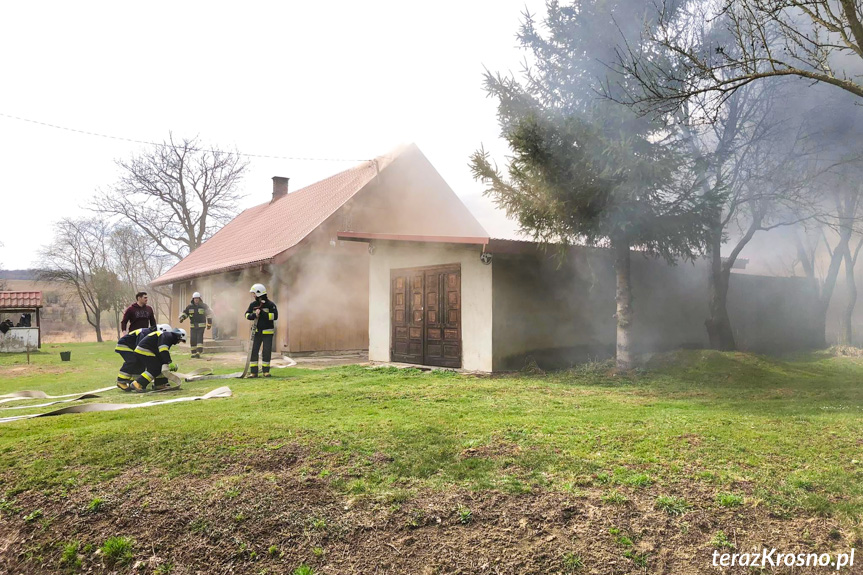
[
  {"x": 172, "y": 366},
  {"x": 209, "y": 326},
  {"x": 182, "y": 318}
]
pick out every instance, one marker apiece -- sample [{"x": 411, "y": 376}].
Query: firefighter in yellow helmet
[{"x": 264, "y": 313}]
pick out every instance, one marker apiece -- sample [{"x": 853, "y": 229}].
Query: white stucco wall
[
  {"x": 18, "y": 339},
  {"x": 476, "y": 295}
]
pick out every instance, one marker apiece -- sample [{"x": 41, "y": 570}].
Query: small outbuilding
[
  {"x": 484, "y": 304},
  {"x": 18, "y": 331}
]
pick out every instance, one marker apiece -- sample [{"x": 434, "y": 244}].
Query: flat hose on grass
[{"x": 92, "y": 407}]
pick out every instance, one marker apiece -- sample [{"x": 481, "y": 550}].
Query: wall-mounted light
[
  {"x": 371, "y": 249},
  {"x": 485, "y": 258},
  {"x": 332, "y": 242}
]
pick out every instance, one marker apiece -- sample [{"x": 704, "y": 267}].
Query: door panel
[
  {"x": 443, "y": 329},
  {"x": 406, "y": 335}
]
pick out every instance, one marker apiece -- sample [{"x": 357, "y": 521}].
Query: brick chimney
[{"x": 280, "y": 187}]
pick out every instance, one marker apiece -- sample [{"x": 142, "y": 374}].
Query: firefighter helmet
[
  {"x": 258, "y": 290},
  {"x": 164, "y": 327},
  {"x": 196, "y": 294},
  {"x": 180, "y": 332}
]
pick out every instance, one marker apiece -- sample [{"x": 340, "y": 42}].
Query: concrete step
[
  {"x": 224, "y": 349},
  {"x": 223, "y": 345}
]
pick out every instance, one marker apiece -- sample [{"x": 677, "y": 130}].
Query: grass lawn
[{"x": 695, "y": 432}]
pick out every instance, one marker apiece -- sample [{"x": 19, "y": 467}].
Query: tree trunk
[
  {"x": 624, "y": 305},
  {"x": 830, "y": 281},
  {"x": 848, "y": 321},
  {"x": 98, "y": 325},
  {"x": 848, "y": 335},
  {"x": 718, "y": 324}
]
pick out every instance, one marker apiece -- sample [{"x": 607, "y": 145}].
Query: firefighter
[
  {"x": 153, "y": 348},
  {"x": 201, "y": 317},
  {"x": 264, "y": 313},
  {"x": 132, "y": 363}
]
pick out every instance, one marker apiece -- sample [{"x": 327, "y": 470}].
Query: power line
[{"x": 163, "y": 145}]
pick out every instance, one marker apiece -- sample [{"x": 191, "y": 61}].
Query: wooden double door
[{"x": 426, "y": 315}]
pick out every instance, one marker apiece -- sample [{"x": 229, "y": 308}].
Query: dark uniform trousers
[
  {"x": 265, "y": 339},
  {"x": 132, "y": 366},
  {"x": 152, "y": 372},
  {"x": 196, "y": 340}
]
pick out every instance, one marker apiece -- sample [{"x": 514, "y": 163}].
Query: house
[
  {"x": 485, "y": 304},
  {"x": 291, "y": 245}
]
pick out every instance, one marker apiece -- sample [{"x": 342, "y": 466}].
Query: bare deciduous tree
[
  {"x": 79, "y": 258},
  {"x": 740, "y": 146},
  {"x": 737, "y": 156},
  {"x": 816, "y": 40},
  {"x": 138, "y": 261},
  {"x": 178, "y": 194}
]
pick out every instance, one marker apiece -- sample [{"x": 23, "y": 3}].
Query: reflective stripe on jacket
[
  {"x": 269, "y": 315},
  {"x": 199, "y": 315}
]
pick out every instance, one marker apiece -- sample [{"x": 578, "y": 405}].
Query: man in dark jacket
[
  {"x": 264, "y": 313},
  {"x": 153, "y": 348},
  {"x": 138, "y": 315},
  {"x": 201, "y": 318}
]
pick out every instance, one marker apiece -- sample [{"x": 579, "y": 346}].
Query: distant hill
[{"x": 18, "y": 275}]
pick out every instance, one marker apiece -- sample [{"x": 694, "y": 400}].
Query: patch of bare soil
[
  {"x": 32, "y": 369},
  {"x": 266, "y": 516}
]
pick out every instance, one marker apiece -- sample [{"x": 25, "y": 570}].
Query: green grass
[
  {"x": 729, "y": 500},
  {"x": 118, "y": 551},
  {"x": 721, "y": 541},
  {"x": 672, "y": 505},
  {"x": 69, "y": 557},
  {"x": 572, "y": 562},
  {"x": 788, "y": 428}
]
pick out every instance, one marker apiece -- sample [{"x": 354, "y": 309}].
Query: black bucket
[{"x": 66, "y": 355}]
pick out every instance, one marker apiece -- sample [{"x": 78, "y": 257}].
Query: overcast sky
[{"x": 340, "y": 79}]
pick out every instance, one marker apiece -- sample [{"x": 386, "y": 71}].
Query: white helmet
[
  {"x": 196, "y": 294},
  {"x": 258, "y": 290},
  {"x": 163, "y": 327},
  {"x": 181, "y": 332}
]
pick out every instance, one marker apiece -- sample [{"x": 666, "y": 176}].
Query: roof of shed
[{"x": 20, "y": 300}]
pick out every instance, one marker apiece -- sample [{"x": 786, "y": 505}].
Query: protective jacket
[
  {"x": 269, "y": 315},
  {"x": 129, "y": 341},
  {"x": 156, "y": 343},
  {"x": 199, "y": 315}
]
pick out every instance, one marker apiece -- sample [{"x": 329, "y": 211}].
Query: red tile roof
[
  {"x": 20, "y": 299},
  {"x": 260, "y": 233}
]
